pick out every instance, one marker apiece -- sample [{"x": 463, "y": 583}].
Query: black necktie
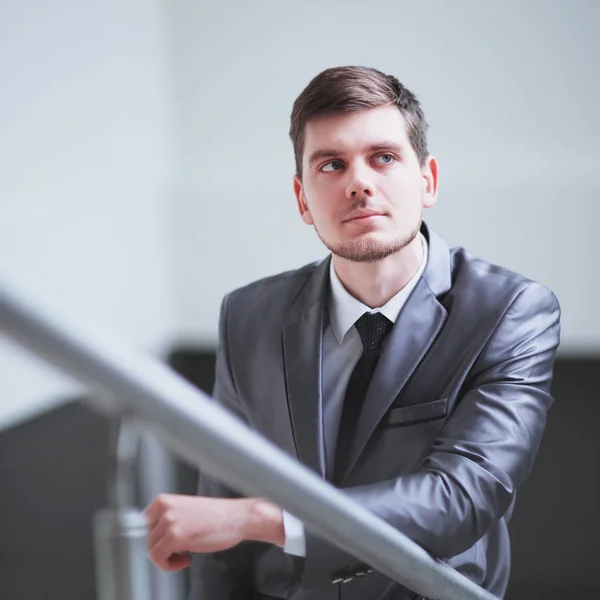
[{"x": 373, "y": 329}]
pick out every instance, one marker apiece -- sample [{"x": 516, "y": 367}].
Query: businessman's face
[{"x": 362, "y": 186}]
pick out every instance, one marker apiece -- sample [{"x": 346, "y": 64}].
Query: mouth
[{"x": 364, "y": 216}]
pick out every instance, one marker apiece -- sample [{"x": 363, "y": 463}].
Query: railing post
[{"x": 120, "y": 531}]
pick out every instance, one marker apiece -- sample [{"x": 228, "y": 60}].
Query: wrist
[{"x": 263, "y": 522}]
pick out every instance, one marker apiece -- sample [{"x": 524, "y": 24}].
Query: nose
[{"x": 359, "y": 187}]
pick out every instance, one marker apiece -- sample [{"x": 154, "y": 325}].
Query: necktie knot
[{"x": 373, "y": 328}]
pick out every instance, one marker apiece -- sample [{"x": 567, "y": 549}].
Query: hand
[{"x": 180, "y": 524}]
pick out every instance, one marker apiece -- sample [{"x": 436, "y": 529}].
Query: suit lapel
[
  {"x": 302, "y": 353},
  {"x": 413, "y": 333}
]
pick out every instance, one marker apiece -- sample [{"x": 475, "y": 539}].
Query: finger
[
  {"x": 157, "y": 532},
  {"x": 157, "y": 508},
  {"x": 152, "y": 514},
  {"x": 162, "y": 551},
  {"x": 179, "y": 561}
]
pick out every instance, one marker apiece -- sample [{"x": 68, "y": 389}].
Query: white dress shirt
[{"x": 342, "y": 348}]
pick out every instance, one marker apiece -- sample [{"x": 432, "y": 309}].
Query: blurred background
[{"x": 146, "y": 170}]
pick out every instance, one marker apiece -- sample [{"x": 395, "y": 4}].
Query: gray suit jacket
[{"x": 450, "y": 428}]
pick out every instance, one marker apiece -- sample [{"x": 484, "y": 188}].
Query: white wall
[
  {"x": 85, "y": 154},
  {"x": 510, "y": 90},
  {"x": 101, "y": 112}
]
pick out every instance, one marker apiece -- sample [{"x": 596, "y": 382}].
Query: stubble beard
[{"x": 370, "y": 250}]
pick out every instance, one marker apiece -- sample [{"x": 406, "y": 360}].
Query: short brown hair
[{"x": 351, "y": 89}]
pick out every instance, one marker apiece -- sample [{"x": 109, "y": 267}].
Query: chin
[
  {"x": 365, "y": 249},
  {"x": 372, "y": 246}
]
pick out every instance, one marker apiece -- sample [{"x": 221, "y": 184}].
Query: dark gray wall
[{"x": 52, "y": 472}]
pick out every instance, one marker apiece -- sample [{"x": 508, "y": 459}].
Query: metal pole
[
  {"x": 205, "y": 434},
  {"x": 157, "y": 475},
  {"x": 120, "y": 531},
  {"x": 122, "y": 564}
]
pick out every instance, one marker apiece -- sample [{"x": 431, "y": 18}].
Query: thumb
[{"x": 178, "y": 561}]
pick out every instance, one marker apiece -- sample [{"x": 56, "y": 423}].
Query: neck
[{"x": 375, "y": 283}]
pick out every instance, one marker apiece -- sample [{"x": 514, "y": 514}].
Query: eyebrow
[
  {"x": 318, "y": 154},
  {"x": 333, "y": 152},
  {"x": 387, "y": 146}
]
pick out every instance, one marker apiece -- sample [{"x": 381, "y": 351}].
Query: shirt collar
[{"x": 345, "y": 309}]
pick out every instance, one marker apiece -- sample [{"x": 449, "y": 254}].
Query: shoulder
[
  {"x": 271, "y": 292},
  {"x": 488, "y": 300},
  {"x": 485, "y": 284}
]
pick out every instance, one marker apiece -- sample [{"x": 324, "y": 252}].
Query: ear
[
  {"x": 301, "y": 201},
  {"x": 430, "y": 175}
]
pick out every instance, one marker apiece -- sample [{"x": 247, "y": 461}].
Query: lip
[{"x": 363, "y": 215}]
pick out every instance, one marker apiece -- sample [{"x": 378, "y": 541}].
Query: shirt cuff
[{"x": 295, "y": 540}]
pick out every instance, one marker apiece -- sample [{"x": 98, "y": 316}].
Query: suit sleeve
[
  {"x": 225, "y": 575},
  {"x": 484, "y": 452}
]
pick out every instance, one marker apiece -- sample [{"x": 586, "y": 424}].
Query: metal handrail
[{"x": 203, "y": 433}]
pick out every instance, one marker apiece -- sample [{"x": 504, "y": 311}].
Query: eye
[
  {"x": 333, "y": 165},
  {"x": 386, "y": 159}
]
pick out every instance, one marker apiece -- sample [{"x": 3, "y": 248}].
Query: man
[{"x": 414, "y": 376}]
